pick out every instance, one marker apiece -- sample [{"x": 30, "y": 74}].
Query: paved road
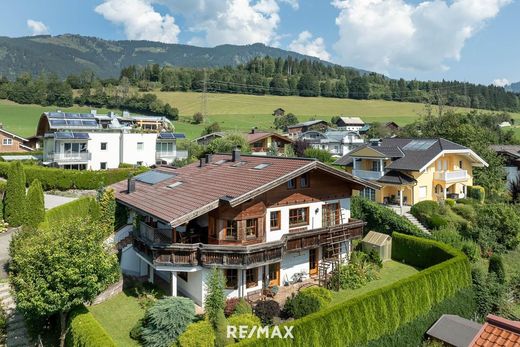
[{"x": 50, "y": 202}]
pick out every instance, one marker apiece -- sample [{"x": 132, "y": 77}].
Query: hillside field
[{"x": 238, "y": 112}]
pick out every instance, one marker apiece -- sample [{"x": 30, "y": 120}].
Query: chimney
[
  {"x": 252, "y": 130},
  {"x": 375, "y": 142},
  {"x": 235, "y": 156},
  {"x": 131, "y": 185},
  {"x": 208, "y": 158},
  {"x": 202, "y": 162},
  {"x": 94, "y": 112}
]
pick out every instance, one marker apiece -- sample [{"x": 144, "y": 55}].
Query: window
[
  {"x": 232, "y": 230},
  {"x": 331, "y": 214},
  {"x": 231, "y": 278},
  {"x": 251, "y": 278},
  {"x": 299, "y": 216},
  {"x": 183, "y": 275},
  {"x": 7, "y": 142},
  {"x": 460, "y": 164},
  {"x": 164, "y": 147},
  {"x": 139, "y": 163},
  {"x": 140, "y": 146},
  {"x": 251, "y": 228},
  {"x": 291, "y": 184},
  {"x": 369, "y": 194},
  {"x": 103, "y": 166},
  {"x": 376, "y": 165},
  {"x": 423, "y": 192},
  {"x": 304, "y": 180},
  {"x": 103, "y": 146},
  {"x": 275, "y": 220}
]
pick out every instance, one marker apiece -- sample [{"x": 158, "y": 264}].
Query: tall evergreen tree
[
  {"x": 15, "y": 199},
  {"x": 107, "y": 206},
  {"x": 214, "y": 306},
  {"x": 35, "y": 205}
]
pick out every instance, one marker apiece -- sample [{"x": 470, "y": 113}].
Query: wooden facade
[{"x": 10, "y": 143}]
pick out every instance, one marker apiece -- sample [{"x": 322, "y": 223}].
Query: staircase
[
  {"x": 17, "y": 335},
  {"x": 415, "y": 222}
]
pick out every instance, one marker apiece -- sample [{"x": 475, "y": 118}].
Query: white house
[
  {"x": 260, "y": 220},
  {"x": 350, "y": 123},
  {"x": 336, "y": 142},
  {"x": 98, "y": 142}
]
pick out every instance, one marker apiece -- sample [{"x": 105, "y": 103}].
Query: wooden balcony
[{"x": 243, "y": 256}]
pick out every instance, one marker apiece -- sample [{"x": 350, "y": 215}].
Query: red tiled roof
[
  {"x": 498, "y": 331},
  {"x": 203, "y": 187}
]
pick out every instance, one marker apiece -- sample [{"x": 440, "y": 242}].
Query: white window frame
[{"x": 7, "y": 141}]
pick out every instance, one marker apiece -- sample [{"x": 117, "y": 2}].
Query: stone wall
[{"x": 111, "y": 291}]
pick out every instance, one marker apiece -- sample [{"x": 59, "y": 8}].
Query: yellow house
[{"x": 413, "y": 170}]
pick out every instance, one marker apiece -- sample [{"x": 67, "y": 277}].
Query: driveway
[{"x": 52, "y": 201}]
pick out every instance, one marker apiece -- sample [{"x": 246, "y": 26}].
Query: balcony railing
[
  {"x": 157, "y": 251},
  {"x": 153, "y": 235},
  {"x": 70, "y": 157},
  {"x": 368, "y": 175},
  {"x": 450, "y": 176}
]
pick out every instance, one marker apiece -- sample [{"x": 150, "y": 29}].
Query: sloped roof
[
  {"x": 196, "y": 190},
  {"x": 260, "y": 135},
  {"x": 497, "y": 331},
  {"x": 397, "y": 178},
  {"x": 375, "y": 238},
  {"x": 352, "y": 120},
  {"x": 454, "y": 330},
  {"x": 512, "y": 150},
  {"x": 307, "y": 124},
  {"x": 13, "y": 135}
]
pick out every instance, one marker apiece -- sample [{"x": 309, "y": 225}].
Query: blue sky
[{"x": 469, "y": 40}]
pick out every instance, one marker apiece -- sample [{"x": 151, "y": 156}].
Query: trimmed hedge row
[
  {"x": 84, "y": 206},
  {"x": 85, "y": 331},
  {"x": 422, "y": 254},
  {"x": 382, "y": 219},
  {"x": 383, "y": 311},
  {"x": 61, "y": 179},
  {"x": 412, "y": 334}
]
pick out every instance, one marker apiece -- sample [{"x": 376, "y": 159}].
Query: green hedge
[
  {"x": 476, "y": 192},
  {"x": 383, "y": 311},
  {"x": 82, "y": 207},
  {"x": 61, "y": 179},
  {"x": 382, "y": 219},
  {"x": 85, "y": 331}
]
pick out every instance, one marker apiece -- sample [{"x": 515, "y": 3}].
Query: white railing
[
  {"x": 70, "y": 156},
  {"x": 449, "y": 176},
  {"x": 368, "y": 175}
]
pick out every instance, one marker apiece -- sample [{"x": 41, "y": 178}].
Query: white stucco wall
[
  {"x": 131, "y": 155},
  {"x": 293, "y": 263},
  {"x": 110, "y": 155}
]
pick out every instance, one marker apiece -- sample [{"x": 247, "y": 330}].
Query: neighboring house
[
  {"x": 413, "y": 170},
  {"x": 261, "y": 142},
  {"x": 336, "y": 142},
  {"x": 12, "y": 143},
  {"x": 279, "y": 112},
  {"x": 205, "y": 140},
  {"x": 350, "y": 123},
  {"x": 293, "y": 131},
  {"x": 99, "y": 142},
  {"x": 260, "y": 220},
  {"x": 505, "y": 125},
  {"x": 511, "y": 157},
  {"x": 392, "y": 127},
  {"x": 452, "y": 330}
]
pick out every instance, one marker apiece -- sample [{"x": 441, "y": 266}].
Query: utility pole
[{"x": 204, "y": 97}]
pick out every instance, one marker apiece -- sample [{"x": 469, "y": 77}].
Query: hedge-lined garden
[
  {"x": 61, "y": 179},
  {"x": 384, "y": 311},
  {"x": 84, "y": 330}
]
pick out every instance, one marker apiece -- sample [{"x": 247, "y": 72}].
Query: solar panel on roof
[
  {"x": 57, "y": 122},
  {"x": 89, "y": 122},
  {"x": 262, "y": 166},
  {"x": 153, "y": 177},
  {"x": 419, "y": 145},
  {"x": 179, "y": 136},
  {"x": 70, "y": 135},
  {"x": 166, "y": 136}
]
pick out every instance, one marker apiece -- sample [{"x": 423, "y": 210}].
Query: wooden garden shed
[{"x": 381, "y": 243}]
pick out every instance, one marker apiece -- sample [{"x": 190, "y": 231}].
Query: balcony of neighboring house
[
  {"x": 451, "y": 176},
  {"x": 368, "y": 169},
  {"x": 69, "y": 157}
]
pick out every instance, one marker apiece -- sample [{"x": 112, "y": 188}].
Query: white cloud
[
  {"x": 501, "y": 82},
  {"x": 216, "y": 22},
  {"x": 306, "y": 45},
  {"x": 295, "y": 4},
  {"x": 140, "y": 20},
  {"x": 379, "y": 34},
  {"x": 37, "y": 27}
]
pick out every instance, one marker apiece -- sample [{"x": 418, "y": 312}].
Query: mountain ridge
[{"x": 71, "y": 54}]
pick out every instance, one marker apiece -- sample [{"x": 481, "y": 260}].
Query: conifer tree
[
  {"x": 35, "y": 205},
  {"x": 15, "y": 199}
]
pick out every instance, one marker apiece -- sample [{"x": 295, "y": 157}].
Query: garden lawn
[
  {"x": 118, "y": 316},
  {"x": 391, "y": 272}
]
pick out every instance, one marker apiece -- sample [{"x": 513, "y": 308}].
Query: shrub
[
  {"x": 383, "y": 311},
  {"x": 267, "y": 310},
  {"x": 449, "y": 235},
  {"x": 15, "y": 199},
  {"x": 303, "y": 304},
  {"x": 321, "y": 154},
  {"x": 374, "y": 258},
  {"x": 166, "y": 320},
  {"x": 424, "y": 210},
  {"x": 471, "y": 250},
  {"x": 231, "y": 305},
  {"x": 497, "y": 227},
  {"x": 514, "y": 286},
  {"x": 466, "y": 211},
  {"x": 476, "y": 192},
  {"x": 358, "y": 272},
  {"x": 84, "y": 330},
  {"x": 496, "y": 266},
  {"x": 450, "y": 202},
  {"x": 323, "y": 294},
  {"x": 35, "y": 205},
  {"x": 243, "y": 307},
  {"x": 248, "y": 320},
  {"x": 135, "y": 332},
  {"x": 466, "y": 201},
  {"x": 3, "y": 185},
  {"x": 382, "y": 219},
  {"x": 489, "y": 292},
  {"x": 198, "y": 334}
]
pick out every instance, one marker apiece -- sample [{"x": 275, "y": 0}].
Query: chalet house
[
  {"x": 393, "y": 127},
  {"x": 98, "y": 142},
  {"x": 279, "y": 112},
  {"x": 12, "y": 143},
  {"x": 511, "y": 157},
  {"x": 260, "y": 220},
  {"x": 350, "y": 123},
  {"x": 293, "y": 131},
  {"x": 205, "y": 140},
  {"x": 336, "y": 142},
  {"x": 413, "y": 170},
  {"x": 262, "y": 141}
]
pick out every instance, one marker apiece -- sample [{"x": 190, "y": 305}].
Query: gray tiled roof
[
  {"x": 454, "y": 330},
  {"x": 396, "y": 177}
]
